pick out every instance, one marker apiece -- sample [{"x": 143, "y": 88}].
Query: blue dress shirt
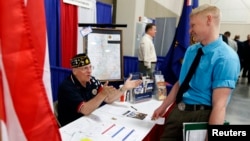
[{"x": 219, "y": 67}]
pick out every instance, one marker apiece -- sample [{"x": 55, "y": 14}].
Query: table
[{"x": 107, "y": 123}]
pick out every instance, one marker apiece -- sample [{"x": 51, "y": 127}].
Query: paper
[
  {"x": 120, "y": 133},
  {"x": 136, "y": 115},
  {"x": 104, "y": 46},
  {"x": 196, "y": 135},
  {"x": 194, "y": 131},
  {"x": 159, "y": 121},
  {"x": 86, "y": 31},
  {"x": 118, "y": 110}
]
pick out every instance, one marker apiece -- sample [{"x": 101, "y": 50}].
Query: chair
[{"x": 55, "y": 104}]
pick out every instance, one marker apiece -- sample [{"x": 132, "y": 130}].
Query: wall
[
  {"x": 240, "y": 29},
  {"x": 107, "y": 1},
  {"x": 233, "y": 11},
  {"x": 128, "y": 12},
  {"x": 154, "y": 9},
  {"x": 235, "y": 16}
]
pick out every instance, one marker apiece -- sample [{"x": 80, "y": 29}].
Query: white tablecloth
[{"x": 108, "y": 123}]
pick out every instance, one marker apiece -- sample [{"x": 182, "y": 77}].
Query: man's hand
[
  {"x": 130, "y": 84},
  {"x": 108, "y": 90},
  {"x": 159, "y": 112}
]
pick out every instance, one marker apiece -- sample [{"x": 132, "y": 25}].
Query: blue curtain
[
  {"x": 104, "y": 13},
  {"x": 58, "y": 74},
  {"x": 160, "y": 60},
  {"x": 130, "y": 64},
  {"x": 52, "y": 11}
]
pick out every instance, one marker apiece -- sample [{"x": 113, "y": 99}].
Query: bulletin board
[{"x": 104, "y": 48}]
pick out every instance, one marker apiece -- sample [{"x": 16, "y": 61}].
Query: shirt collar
[
  {"x": 76, "y": 82},
  {"x": 211, "y": 46},
  {"x": 149, "y": 36}
]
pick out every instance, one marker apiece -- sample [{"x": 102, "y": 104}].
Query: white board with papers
[{"x": 104, "y": 48}]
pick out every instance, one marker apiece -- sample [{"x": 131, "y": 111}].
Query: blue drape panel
[
  {"x": 52, "y": 11},
  {"x": 159, "y": 62},
  {"x": 130, "y": 64},
  {"x": 104, "y": 13},
  {"x": 58, "y": 74}
]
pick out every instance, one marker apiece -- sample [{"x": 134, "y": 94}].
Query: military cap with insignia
[{"x": 80, "y": 60}]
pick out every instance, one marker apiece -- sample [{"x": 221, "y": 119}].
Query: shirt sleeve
[
  {"x": 145, "y": 48},
  {"x": 226, "y": 73}
]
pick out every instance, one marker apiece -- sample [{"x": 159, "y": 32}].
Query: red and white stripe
[
  {"x": 10, "y": 125},
  {"x": 25, "y": 95}
]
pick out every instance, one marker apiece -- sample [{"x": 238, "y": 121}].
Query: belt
[
  {"x": 187, "y": 107},
  {"x": 151, "y": 62}
]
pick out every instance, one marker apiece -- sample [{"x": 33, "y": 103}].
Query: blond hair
[{"x": 207, "y": 9}]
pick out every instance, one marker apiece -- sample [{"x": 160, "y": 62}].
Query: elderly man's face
[{"x": 83, "y": 74}]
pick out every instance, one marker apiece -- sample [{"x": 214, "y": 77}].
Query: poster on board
[{"x": 104, "y": 48}]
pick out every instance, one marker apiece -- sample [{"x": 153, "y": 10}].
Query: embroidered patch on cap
[{"x": 80, "y": 60}]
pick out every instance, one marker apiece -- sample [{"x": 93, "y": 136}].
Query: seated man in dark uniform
[{"x": 80, "y": 93}]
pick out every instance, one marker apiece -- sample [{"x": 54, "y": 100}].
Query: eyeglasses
[{"x": 86, "y": 68}]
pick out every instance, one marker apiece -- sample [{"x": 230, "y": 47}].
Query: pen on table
[
  {"x": 128, "y": 135},
  {"x": 126, "y": 113},
  {"x": 117, "y": 132},
  {"x": 108, "y": 129},
  {"x": 133, "y": 108}
]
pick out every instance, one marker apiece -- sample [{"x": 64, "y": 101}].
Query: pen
[
  {"x": 126, "y": 113},
  {"x": 108, "y": 129},
  {"x": 128, "y": 135},
  {"x": 117, "y": 132},
  {"x": 133, "y": 108}
]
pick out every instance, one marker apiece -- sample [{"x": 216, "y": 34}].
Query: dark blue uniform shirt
[{"x": 71, "y": 95}]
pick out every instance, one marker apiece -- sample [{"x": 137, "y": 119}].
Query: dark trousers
[
  {"x": 143, "y": 69},
  {"x": 245, "y": 69},
  {"x": 174, "y": 122}
]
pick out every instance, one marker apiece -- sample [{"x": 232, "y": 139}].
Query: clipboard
[{"x": 196, "y": 131}]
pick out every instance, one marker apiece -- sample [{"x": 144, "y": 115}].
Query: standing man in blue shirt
[{"x": 212, "y": 83}]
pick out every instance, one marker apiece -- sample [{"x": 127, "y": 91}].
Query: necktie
[{"x": 185, "y": 85}]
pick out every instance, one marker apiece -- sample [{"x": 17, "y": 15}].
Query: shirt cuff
[
  {"x": 80, "y": 107},
  {"x": 224, "y": 83},
  {"x": 100, "y": 89}
]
